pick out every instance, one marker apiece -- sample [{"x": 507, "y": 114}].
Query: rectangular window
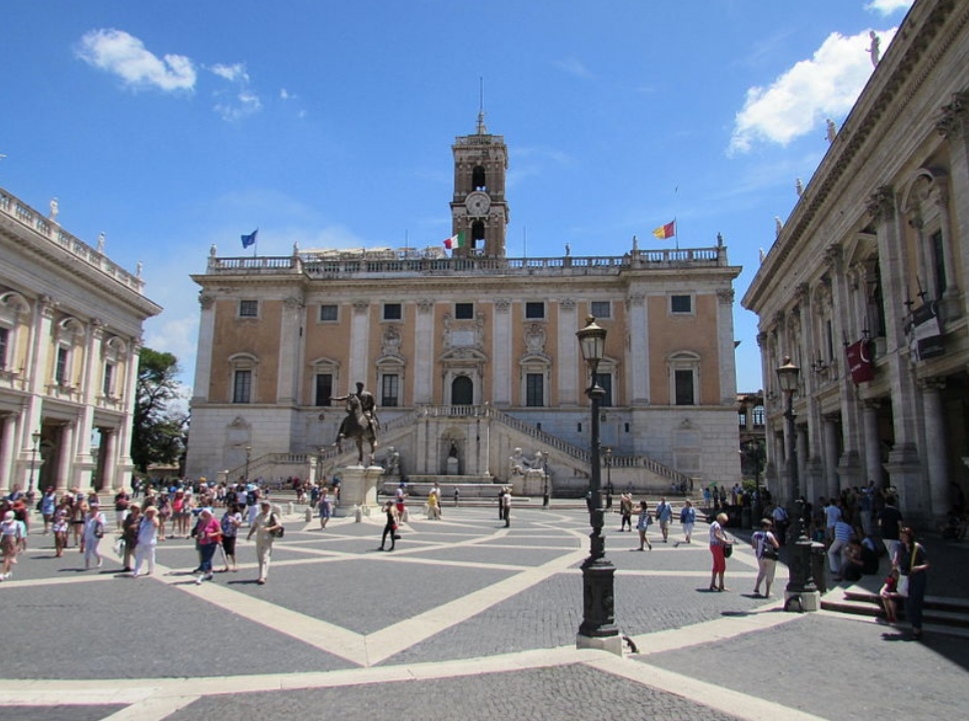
[
  {"x": 605, "y": 382},
  {"x": 242, "y": 387},
  {"x": 464, "y": 311},
  {"x": 681, "y": 304},
  {"x": 392, "y": 311},
  {"x": 4, "y": 344},
  {"x": 328, "y": 312},
  {"x": 535, "y": 310},
  {"x": 534, "y": 390},
  {"x": 60, "y": 370},
  {"x": 601, "y": 309},
  {"x": 390, "y": 390},
  {"x": 324, "y": 389},
  {"x": 248, "y": 308},
  {"x": 684, "y": 388},
  {"x": 108, "y": 385},
  {"x": 743, "y": 419}
]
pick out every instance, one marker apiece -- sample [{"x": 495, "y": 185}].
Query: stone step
[{"x": 938, "y": 610}]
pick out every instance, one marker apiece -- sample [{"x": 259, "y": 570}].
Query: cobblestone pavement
[{"x": 464, "y": 619}]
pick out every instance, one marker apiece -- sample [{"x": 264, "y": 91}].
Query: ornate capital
[
  {"x": 932, "y": 385},
  {"x": 502, "y": 305},
  {"x": 725, "y": 296},
  {"x": 833, "y": 256},
  {"x": 567, "y": 304},
  {"x": 636, "y": 299},
  {"x": 881, "y": 204},
  {"x": 360, "y": 306},
  {"x": 425, "y": 306},
  {"x": 206, "y": 301},
  {"x": 761, "y": 339},
  {"x": 293, "y": 303},
  {"x": 952, "y": 118}
]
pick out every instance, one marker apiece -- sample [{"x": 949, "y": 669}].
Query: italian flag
[{"x": 455, "y": 241}]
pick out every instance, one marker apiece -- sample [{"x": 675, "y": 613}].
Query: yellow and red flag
[{"x": 666, "y": 231}]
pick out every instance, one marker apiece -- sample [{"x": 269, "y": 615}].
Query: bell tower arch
[{"x": 479, "y": 213}]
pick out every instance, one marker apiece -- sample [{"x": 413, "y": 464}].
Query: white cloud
[
  {"x": 887, "y": 7},
  {"x": 576, "y": 68},
  {"x": 797, "y": 102},
  {"x": 125, "y": 55},
  {"x": 233, "y": 73},
  {"x": 284, "y": 94}
]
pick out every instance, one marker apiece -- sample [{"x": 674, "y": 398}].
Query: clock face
[{"x": 478, "y": 203}]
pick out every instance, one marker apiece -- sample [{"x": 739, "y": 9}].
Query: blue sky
[{"x": 172, "y": 126}]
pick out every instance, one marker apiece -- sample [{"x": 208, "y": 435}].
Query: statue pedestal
[
  {"x": 452, "y": 466},
  {"x": 358, "y": 490}
]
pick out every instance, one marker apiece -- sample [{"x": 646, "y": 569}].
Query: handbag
[
  {"x": 901, "y": 587},
  {"x": 727, "y": 550}
]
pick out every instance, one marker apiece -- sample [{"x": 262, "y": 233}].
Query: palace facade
[
  {"x": 472, "y": 357},
  {"x": 865, "y": 287},
  {"x": 70, "y": 334}
]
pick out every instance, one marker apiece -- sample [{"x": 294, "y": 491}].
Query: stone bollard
[
  {"x": 289, "y": 508},
  {"x": 358, "y": 514},
  {"x": 308, "y": 515}
]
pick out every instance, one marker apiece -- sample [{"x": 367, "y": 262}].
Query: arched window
[
  {"x": 477, "y": 235},
  {"x": 478, "y": 178},
  {"x": 462, "y": 391}
]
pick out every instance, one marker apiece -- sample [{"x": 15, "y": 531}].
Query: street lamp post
[
  {"x": 35, "y": 436},
  {"x": 598, "y": 629},
  {"x": 800, "y": 586},
  {"x": 608, "y": 454},
  {"x": 248, "y": 456}
]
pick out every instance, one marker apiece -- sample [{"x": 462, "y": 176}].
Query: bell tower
[{"x": 478, "y": 208}]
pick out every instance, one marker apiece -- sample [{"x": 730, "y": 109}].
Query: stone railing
[
  {"x": 49, "y": 229},
  {"x": 402, "y": 264}
]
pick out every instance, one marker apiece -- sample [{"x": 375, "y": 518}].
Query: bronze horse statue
[{"x": 358, "y": 427}]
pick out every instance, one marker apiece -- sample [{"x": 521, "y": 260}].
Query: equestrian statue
[{"x": 361, "y": 422}]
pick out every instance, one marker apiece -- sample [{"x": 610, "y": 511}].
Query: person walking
[
  {"x": 642, "y": 524},
  {"x": 718, "y": 545},
  {"x": 688, "y": 519},
  {"x": 93, "y": 533},
  {"x": 506, "y": 506},
  {"x": 265, "y": 526},
  {"x": 912, "y": 563},
  {"x": 208, "y": 536},
  {"x": 326, "y": 508},
  {"x": 765, "y": 545},
  {"x": 129, "y": 535},
  {"x": 390, "y": 527},
  {"x": 890, "y": 525},
  {"x": 11, "y": 531},
  {"x": 842, "y": 533},
  {"x": 664, "y": 514},
  {"x": 626, "y": 512},
  {"x": 231, "y": 522},
  {"x": 47, "y": 506},
  {"x": 147, "y": 541}
]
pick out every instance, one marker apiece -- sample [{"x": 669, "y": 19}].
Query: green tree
[{"x": 159, "y": 431}]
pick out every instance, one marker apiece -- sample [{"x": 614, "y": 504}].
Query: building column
[
  {"x": 359, "y": 347},
  {"x": 203, "y": 359},
  {"x": 638, "y": 366},
  {"x": 566, "y": 370},
  {"x": 903, "y": 461},
  {"x": 290, "y": 353},
  {"x": 109, "y": 438},
  {"x": 936, "y": 452},
  {"x": 65, "y": 459},
  {"x": 872, "y": 445},
  {"x": 8, "y": 442},
  {"x": 829, "y": 427},
  {"x": 953, "y": 125},
  {"x": 726, "y": 354},
  {"x": 501, "y": 354},
  {"x": 120, "y": 460},
  {"x": 424, "y": 366}
]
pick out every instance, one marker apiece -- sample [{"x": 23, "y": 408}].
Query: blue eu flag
[{"x": 250, "y": 239}]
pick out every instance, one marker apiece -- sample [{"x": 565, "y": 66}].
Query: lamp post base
[
  {"x": 612, "y": 644},
  {"x": 802, "y": 601}
]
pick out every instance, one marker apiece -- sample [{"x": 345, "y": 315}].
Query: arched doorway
[{"x": 462, "y": 391}]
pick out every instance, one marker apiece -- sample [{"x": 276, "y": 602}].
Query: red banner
[{"x": 860, "y": 361}]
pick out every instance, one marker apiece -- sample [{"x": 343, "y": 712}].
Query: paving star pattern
[{"x": 465, "y": 619}]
